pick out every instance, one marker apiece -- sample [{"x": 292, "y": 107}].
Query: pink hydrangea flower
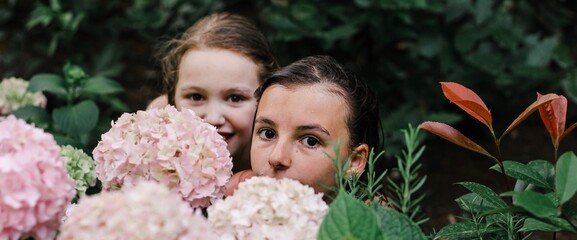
[
  {"x": 175, "y": 148},
  {"x": 149, "y": 210},
  {"x": 34, "y": 185},
  {"x": 13, "y": 95},
  {"x": 268, "y": 208}
]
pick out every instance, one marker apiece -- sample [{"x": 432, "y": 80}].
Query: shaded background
[{"x": 506, "y": 51}]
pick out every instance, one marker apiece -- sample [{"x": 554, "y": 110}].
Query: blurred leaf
[
  {"x": 536, "y": 203},
  {"x": 41, "y": 15},
  {"x": 116, "y": 104},
  {"x": 530, "y": 109},
  {"x": 540, "y": 54},
  {"x": 562, "y": 56},
  {"x": 467, "y": 100},
  {"x": 78, "y": 119},
  {"x": 101, "y": 85},
  {"x": 348, "y": 218},
  {"x": 482, "y": 10},
  {"x": 520, "y": 171},
  {"x": 570, "y": 85},
  {"x": 565, "y": 179},
  {"x": 302, "y": 10},
  {"x": 444, "y": 117},
  {"x": 51, "y": 83},
  {"x": 396, "y": 225},
  {"x": 453, "y": 135},
  {"x": 456, "y": 8},
  {"x": 485, "y": 193},
  {"x": 33, "y": 114}
]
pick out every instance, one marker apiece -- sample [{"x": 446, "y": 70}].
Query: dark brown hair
[
  {"x": 222, "y": 31},
  {"x": 363, "y": 120}
]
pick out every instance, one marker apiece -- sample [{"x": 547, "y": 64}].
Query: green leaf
[
  {"x": 51, "y": 83},
  {"x": 532, "y": 224},
  {"x": 349, "y": 218},
  {"x": 472, "y": 202},
  {"x": 570, "y": 85},
  {"x": 485, "y": 193},
  {"x": 482, "y": 10},
  {"x": 396, "y": 225},
  {"x": 33, "y": 114},
  {"x": 522, "y": 172},
  {"x": 536, "y": 203},
  {"x": 465, "y": 230},
  {"x": 541, "y": 52},
  {"x": 78, "y": 119},
  {"x": 562, "y": 56},
  {"x": 101, "y": 85},
  {"x": 565, "y": 179}
]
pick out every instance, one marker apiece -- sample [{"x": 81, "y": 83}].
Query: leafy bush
[
  {"x": 505, "y": 49},
  {"x": 541, "y": 198}
]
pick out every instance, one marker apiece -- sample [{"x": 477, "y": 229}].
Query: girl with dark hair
[{"x": 304, "y": 110}]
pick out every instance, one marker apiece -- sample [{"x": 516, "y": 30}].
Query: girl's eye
[
  {"x": 310, "y": 141},
  {"x": 236, "y": 98},
  {"x": 266, "y": 133},
  {"x": 196, "y": 97}
]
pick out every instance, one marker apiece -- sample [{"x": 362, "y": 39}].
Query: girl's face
[
  {"x": 218, "y": 85},
  {"x": 295, "y": 128}
]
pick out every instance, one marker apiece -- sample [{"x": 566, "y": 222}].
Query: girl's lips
[{"x": 226, "y": 136}]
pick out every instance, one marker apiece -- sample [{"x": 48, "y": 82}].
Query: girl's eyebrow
[
  {"x": 242, "y": 90},
  {"x": 315, "y": 127},
  {"x": 265, "y": 121}
]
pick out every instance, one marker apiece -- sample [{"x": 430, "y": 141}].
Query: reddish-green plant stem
[{"x": 499, "y": 160}]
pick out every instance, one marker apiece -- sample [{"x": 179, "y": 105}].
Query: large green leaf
[
  {"x": 33, "y": 114},
  {"x": 485, "y": 193},
  {"x": 349, "y": 218},
  {"x": 532, "y": 224},
  {"x": 396, "y": 225},
  {"x": 536, "y": 203},
  {"x": 101, "y": 85},
  {"x": 465, "y": 231},
  {"x": 542, "y": 51},
  {"x": 472, "y": 202},
  {"x": 565, "y": 179},
  {"x": 522, "y": 172},
  {"x": 51, "y": 83},
  {"x": 78, "y": 119}
]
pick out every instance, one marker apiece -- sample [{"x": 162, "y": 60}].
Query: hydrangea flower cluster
[
  {"x": 13, "y": 95},
  {"x": 268, "y": 208},
  {"x": 176, "y": 148},
  {"x": 80, "y": 166},
  {"x": 34, "y": 185},
  {"x": 149, "y": 210}
]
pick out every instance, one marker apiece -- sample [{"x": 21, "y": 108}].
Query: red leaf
[
  {"x": 553, "y": 115},
  {"x": 467, "y": 100},
  {"x": 453, "y": 135},
  {"x": 530, "y": 109}
]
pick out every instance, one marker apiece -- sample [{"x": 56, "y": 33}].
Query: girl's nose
[
  {"x": 212, "y": 115},
  {"x": 279, "y": 158}
]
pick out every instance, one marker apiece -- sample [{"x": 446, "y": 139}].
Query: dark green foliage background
[{"x": 504, "y": 50}]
